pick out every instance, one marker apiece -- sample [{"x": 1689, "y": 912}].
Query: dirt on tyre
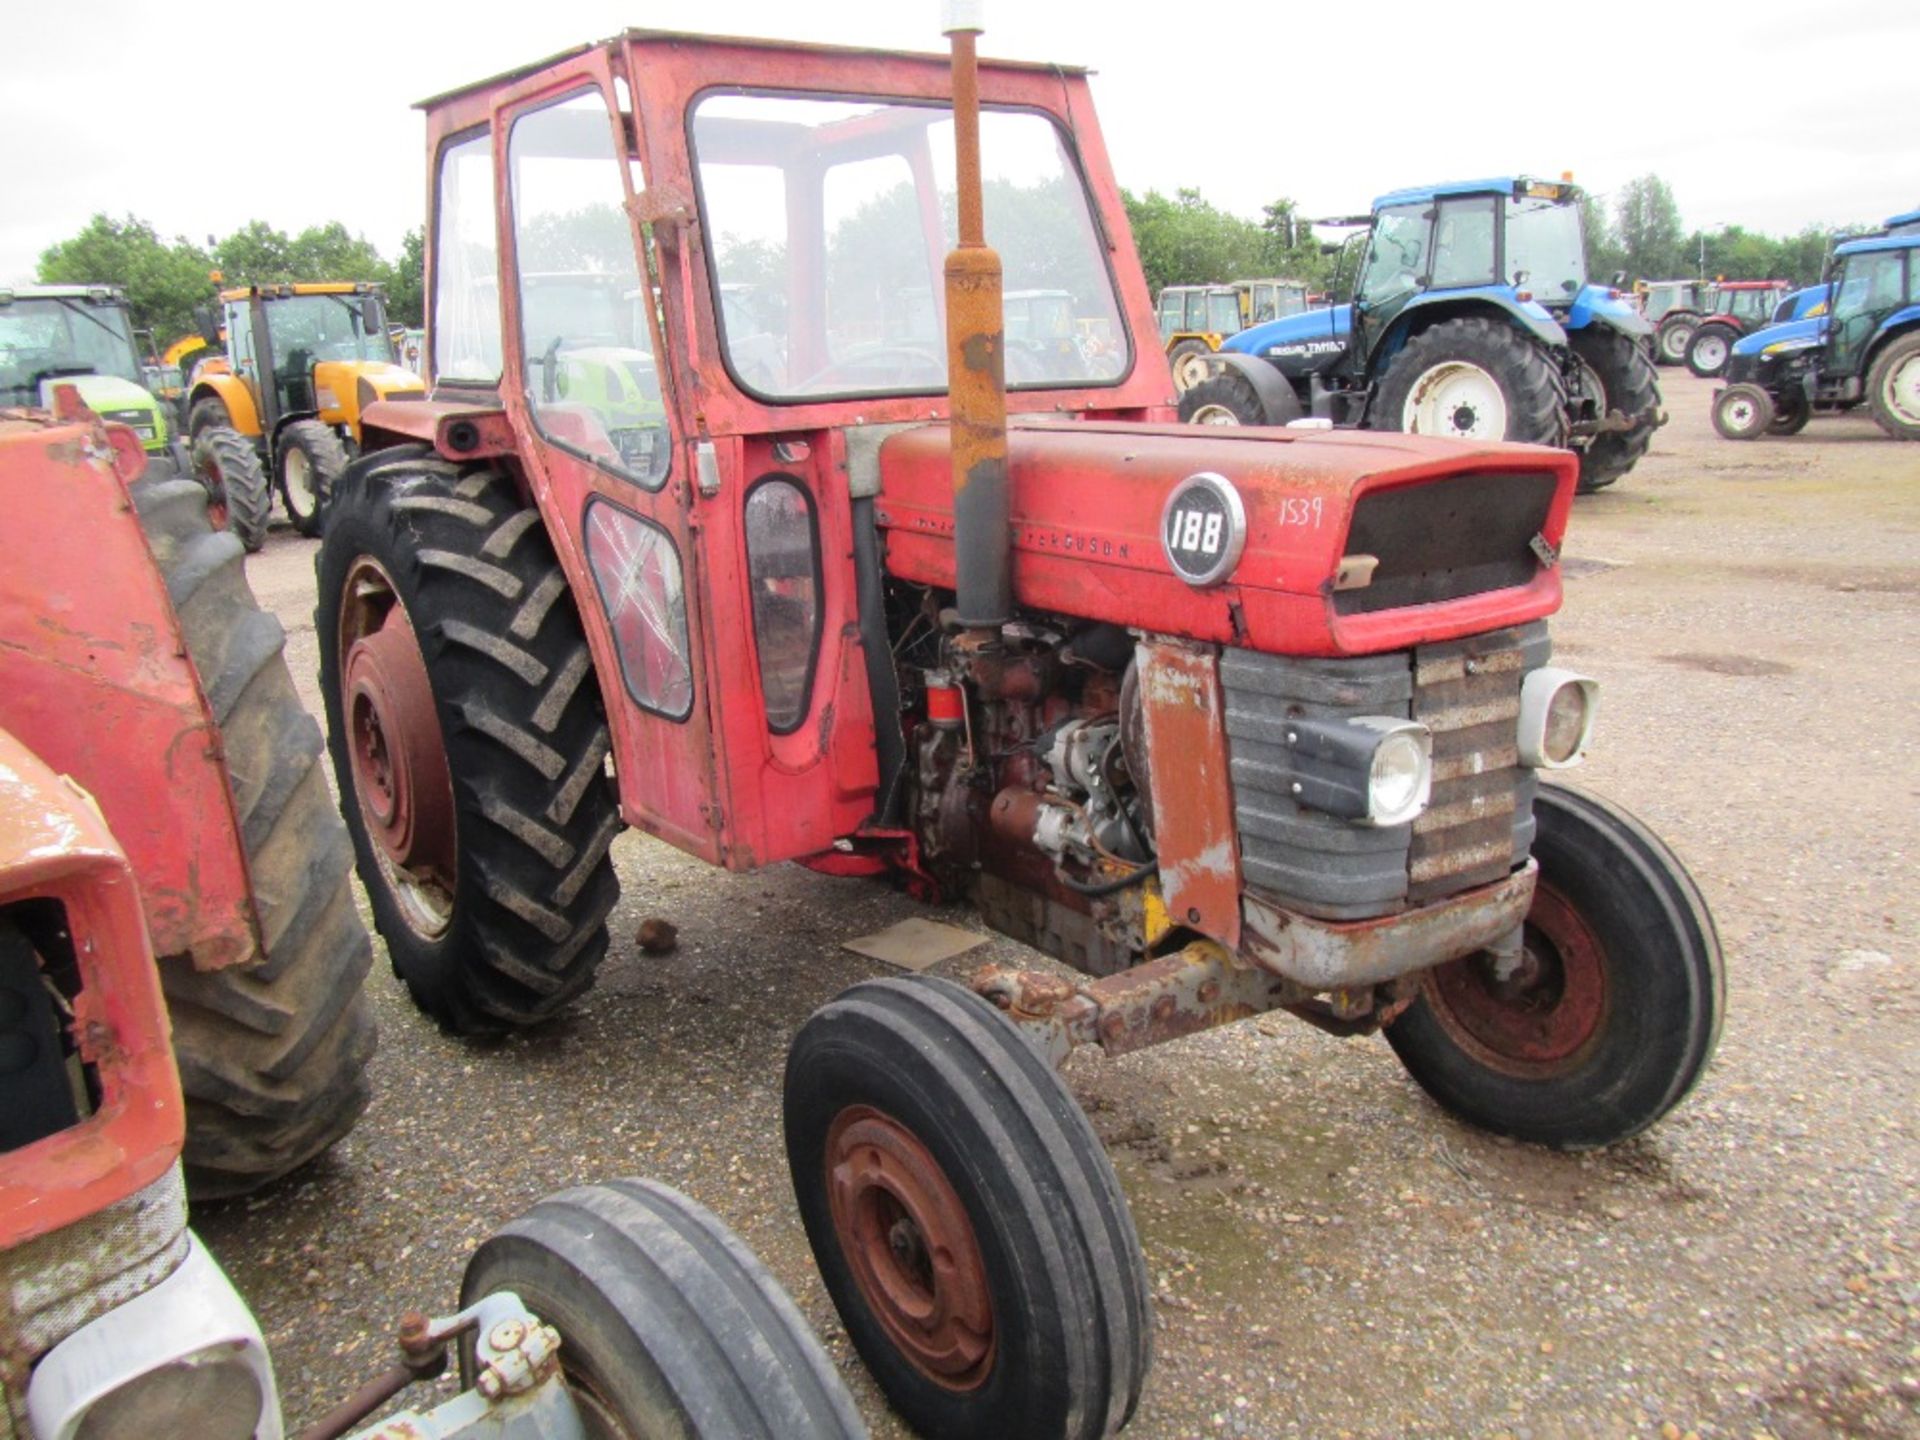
[
  {"x": 1893, "y": 388},
  {"x": 1611, "y": 1011},
  {"x": 965, "y": 1220},
  {"x": 1189, "y": 361},
  {"x": 1473, "y": 378},
  {"x": 464, "y": 723},
  {"x": 1670, "y": 341},
  {"x": 1709, "y": 351},
  {"x": 1629, "y": 386},
  {"x": 228, "y": 468},
  {"x": 668, "y": 1324},
  {"x": 1742, "y": 412},
  {"x": 272, "y": 1055},
  {"x": 309, "y": 464}
]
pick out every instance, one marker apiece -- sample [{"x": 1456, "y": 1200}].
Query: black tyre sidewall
[
  {"x": 1761, "y": 399},
  {"x": 1710, "y": 332},
  {"x": 1665, "y": 356},
  {"x": 324, "y": 469},
  {"x": 1877, "y": 376},
  {"x": 1228, "y": 390},
  {"x": 1664, "y": 998},
  {"x": 1628, "y": 382}
]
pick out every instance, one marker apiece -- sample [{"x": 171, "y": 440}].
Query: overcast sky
[{"x": 1772, "y": 114}]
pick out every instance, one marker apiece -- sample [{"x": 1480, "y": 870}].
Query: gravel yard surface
[{"x": 1332, "y": 1255}]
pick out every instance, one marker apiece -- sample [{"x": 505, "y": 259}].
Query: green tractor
[{"x": 80, "y": 335}]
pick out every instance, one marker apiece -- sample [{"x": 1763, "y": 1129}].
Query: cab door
[
  {"x": 588, "y": 395},
  {"x": 1872, "y": 287}
]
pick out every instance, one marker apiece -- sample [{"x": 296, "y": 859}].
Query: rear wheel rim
[
  {"x": 1214, "y": 414},
  {"x": 398, "y": 759},
  {"x": 208, "y": 470},
  {"x": 1902, "y": 391},
  {"x": 1674, "y": 342},
  {"x": 1458, "y": 399},
  {"x": 911, "y": 1247},
  {"x": 1540, "y": 1020},
  {"x": 1711, "y": 353}
]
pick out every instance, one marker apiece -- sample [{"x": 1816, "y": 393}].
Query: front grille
[
  {"x": 1479, "y": 823},
  {"x": 1464, "y": 535}
]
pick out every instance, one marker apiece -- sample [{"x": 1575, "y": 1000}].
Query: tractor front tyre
[
  {"x": 668, "y": 1324},
  {"x": 272, "y": 1055},
  {"x": 1893, "y": 388},
  {"x": 1671, "y": 340},
  {"x": 1742, "y": 412},
  {"x": 1791, "y": 412},
  {"x": 1609, "y": 1013},
  {"x": 207, "y": 412},
  {"x": 1476, "y": 379},
  {"x": 1630, "y": 386},
  {"x": 228, "y": 467},
  {"x": 964, "y": 1218},
  {"x": 310, "y": 462},
  {"x": 1709, "y": 351},
  {"x": 1225, "y": 399},
  {"x": 1189, "y": 361},
  {"x": 464, "y": 723}
]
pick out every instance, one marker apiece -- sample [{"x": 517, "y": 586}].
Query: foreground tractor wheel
[
  {"x": 228, "y": 468},
  {"x": 1474, "y": 379},
  {"x": 1612, "y": 1010},
  {"x": 272, "y": 1056},
  {"x": 465, "y": 728},
  {"x": 1742, "y": 412},
  {"x": 311, "y": 462},
  {"x": 964, "y": 1217},
  {"x": 668, "y": 1324},
  {"x": 1189, "y": 361},
  {"x": 1893, "y": 388},
  {"x": 1628, "y": 384},
  {"x": 1671, "y": 341},
  {"x": 1709, "y": 350}
]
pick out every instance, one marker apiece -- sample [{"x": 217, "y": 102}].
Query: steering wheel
[{"x": 913, "y": 355}]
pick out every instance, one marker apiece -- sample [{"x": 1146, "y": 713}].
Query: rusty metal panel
[{"x": 1191, "y": 786}]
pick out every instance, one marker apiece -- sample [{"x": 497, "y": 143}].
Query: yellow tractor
[
  {"x": 303, "y": 361},
  {"x": 1195, "y": 319}
]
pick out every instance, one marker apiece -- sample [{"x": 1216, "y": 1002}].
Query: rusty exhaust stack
[{"x": 976, "y": 358}]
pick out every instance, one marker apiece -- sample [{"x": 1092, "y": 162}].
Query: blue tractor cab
[
  {"x": 1472, "y": 316},
  {"x": 1865, "y": 350},
  {"x": 1905, "y": 223}
]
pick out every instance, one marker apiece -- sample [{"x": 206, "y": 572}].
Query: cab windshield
[
  {"x": 1545, "y": 252},
  {"x": 45, "y": 338},
  {"x": 323, "y": 327},
  {"x": 830, "y": 221}
]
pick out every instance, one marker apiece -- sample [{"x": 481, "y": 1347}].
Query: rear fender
[
  {"x": 1276, "y": 392},
  {"x": 1595, "y": 306},
  {"x": 1493, "y": 302},
  {"x": 1901, "y": 322}
]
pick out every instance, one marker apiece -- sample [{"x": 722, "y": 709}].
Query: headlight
[
  {"x": 1372, "y": 769},
  {"x": 1556, "y": 718},
  {"x": 215, "y": 1387}
]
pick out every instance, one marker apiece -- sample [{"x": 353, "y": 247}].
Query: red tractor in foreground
[{"x": 1228, "y": 721}]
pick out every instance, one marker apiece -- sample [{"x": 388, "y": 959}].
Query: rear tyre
[
  {"x": 273, "y": 1055},
  {"x": 1670, "y": 341},
  {"x": 1225, "y": 399},
  {"x": 1473, "y": 378},
  {"x": 1628, "y": 384},
  {"x": 1614, "y": 1009},
  {"x": 1742, "y": 412},
  {"x": 668, "y": 1324},
  {"x": 227, "y": 466},
  {"x": 310, "y": 463},
  {"x": 467, "y": 739},
  {"x": 964, "y": 1217},
  {"x": 1709, "y": 350},
  {"x": 1189, "y": 361},
  {"x": 1893, "y": 388},
  {"x": 1790, "y": 414}
]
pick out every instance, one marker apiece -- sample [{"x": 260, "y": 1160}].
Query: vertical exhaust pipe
[{"x": 976, "y": 358}]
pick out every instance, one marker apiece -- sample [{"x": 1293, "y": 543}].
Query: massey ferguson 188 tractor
[
  {"x": 1227, "y": 720},
  {"x": 620, "y": 1309}
]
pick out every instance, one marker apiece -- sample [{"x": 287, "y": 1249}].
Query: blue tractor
[
  {"x": 1865, "y": 350},
  {"x": 1471, "y": 317}
]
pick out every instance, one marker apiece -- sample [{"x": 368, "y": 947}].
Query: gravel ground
[{"x": 1332, "y": 1255}]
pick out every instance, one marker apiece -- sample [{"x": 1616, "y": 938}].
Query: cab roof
[
  {"x": 1878, "y": 242},
  {"x": 1905, "y": 217},
  {"x": 1498, "y": 185},
  {"x": 303, "y": 287},
  {"x": 97, "y": 294},
  {"x": 687, "y": 37}
]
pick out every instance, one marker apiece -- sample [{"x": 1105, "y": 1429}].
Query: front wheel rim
[
  {"x": 1740, "y": 414},
  {"x": 1458, "y": 399},
  {"x": 396, "y": 755},
  {"x": 1214, "y": 414},
  {"x": 911, "y": 1248},
  {"x": 1541, "y": 1019},
  {"x": 1711, "y": 353}
]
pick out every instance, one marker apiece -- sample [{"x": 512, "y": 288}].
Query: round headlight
[
  {"x": 1556, "y": 718},
  {"x": 1400, "y": 777}
]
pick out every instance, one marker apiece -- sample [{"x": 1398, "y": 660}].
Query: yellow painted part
[
  {"x": 1208, "y": 338},
  {"x": 270, "y": 292},
  {"x": 181, "y": 348},
  {"x": 1157, "y": 922},
  {"x": 233, "y": 393},
  {"x": 339, "y": 381}
]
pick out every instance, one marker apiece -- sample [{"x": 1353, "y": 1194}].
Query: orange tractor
[
  {"x": 620, "y": 1308},
  {"x": 1229, "y": 721}
]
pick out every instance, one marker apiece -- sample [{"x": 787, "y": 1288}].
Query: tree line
[{"x": 166, "y": 281}]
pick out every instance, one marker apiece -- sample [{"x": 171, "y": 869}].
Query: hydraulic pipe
[{"x": 976, "y": 360}]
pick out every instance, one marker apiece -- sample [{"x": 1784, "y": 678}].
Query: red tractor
[
  {"x": 1738, "y": 307},
  {"x": 623, "y": 1307},
  {"x": 1227, "y": 720}
]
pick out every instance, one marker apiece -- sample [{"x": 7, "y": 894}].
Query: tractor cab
[
  {"x": 1264, "y": 300},
  {"x": 79, "y": 335},
  {"x": 1658, "y": 298},
  {"x": 1194, "y": 321}
]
